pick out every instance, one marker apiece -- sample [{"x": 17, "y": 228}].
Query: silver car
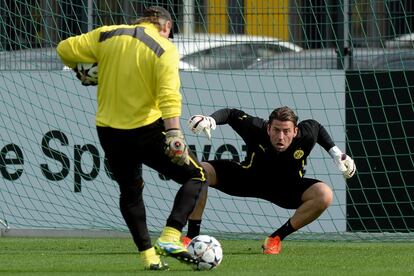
[
  {"x": 403, "y": 41},
  {"x": 226, "y": 52},
  {"x": 362, "y": 59}
]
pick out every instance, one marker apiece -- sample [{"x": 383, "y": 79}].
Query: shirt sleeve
[
  {"x": 247, "y": 126},
  {"x": 168, "y": 84},
  {"x": 80, "y": 48},
  {"x": 324, "y": 139},
  {"x": 322, "y": 136},
  {"x": 221, "y": 116}
]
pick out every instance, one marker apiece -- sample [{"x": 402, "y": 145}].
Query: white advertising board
[{"x": 52, "y": 169}]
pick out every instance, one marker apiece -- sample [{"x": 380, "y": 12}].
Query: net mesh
[{"x": 347, "y": 64}]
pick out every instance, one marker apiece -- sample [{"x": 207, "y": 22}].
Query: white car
[
  {"x": 327, "y": 58},
  {"x": 225, "y": 52},
  {"x": 403, "y": 41}
]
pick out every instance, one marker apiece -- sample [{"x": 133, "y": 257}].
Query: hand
[
  {"x": 346, "y": 165},
  {"x": 199, "y": 123},
  {"x": 175, "y": 147},
  {"x": 82, "y": 78},
  {"x": 78, "y": 74}
]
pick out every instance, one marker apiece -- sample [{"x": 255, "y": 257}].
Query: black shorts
[
  {"x": 127, "y": 150},
  {"x": 235, "y": 180}
]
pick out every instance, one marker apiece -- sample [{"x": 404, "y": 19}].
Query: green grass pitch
[{"x": 117, "y": 256}]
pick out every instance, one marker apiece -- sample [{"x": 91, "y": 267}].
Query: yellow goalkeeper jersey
[{"x": 137, "y": 73}]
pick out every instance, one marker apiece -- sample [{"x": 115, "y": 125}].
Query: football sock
[
  {"x": 170, "y": 234},
  {"x": 283, "y": 231},
  {"x": 133, "y": 210},
  {"x": 149, "y": 257},
  {"x": 193, "y": 228}
]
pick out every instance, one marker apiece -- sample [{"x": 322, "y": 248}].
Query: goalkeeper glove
[
  {"x": 82, "y": 77},
  {"x": 199, "y": 123},
  {"x": 175, "y": 147},
  {"x": 345, "y": 163}
]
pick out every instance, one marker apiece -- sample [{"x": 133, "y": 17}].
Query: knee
[
  {"x": 320, "y": 195},
  {"x": 325, "y": 196},
  {"x": 211, "y": 173}
]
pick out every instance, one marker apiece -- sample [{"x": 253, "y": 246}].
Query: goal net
[{"x": 348, "y": 64}]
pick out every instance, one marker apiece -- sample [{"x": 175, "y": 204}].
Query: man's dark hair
[
  {"x": 283, "y": 114},
  {"x": 157, "y": 11}
]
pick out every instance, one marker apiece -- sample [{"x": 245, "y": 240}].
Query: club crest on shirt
[{"x": 298, "y": 154}]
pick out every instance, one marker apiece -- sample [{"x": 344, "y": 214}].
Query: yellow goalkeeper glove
[{"x": 175, "y": 147}]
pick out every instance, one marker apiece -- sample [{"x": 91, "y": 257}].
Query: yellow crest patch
[{"x": 298, "y": 154}]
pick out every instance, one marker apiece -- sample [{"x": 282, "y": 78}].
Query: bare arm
[{"x": 172, "y": 123}]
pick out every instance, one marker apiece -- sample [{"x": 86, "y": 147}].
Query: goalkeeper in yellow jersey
[
  {"x": 139, "y": 106},
  {"x": 273, "y": 170}
]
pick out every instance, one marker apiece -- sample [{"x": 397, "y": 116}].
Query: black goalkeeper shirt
[{"x": 262, "y": 158}]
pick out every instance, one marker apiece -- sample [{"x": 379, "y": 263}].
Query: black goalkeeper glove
[{"x": 82, "y": 78}]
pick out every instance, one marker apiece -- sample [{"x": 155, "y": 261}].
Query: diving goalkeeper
[{"x": 274, "y": 167}]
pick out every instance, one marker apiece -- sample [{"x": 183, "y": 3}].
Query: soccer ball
[
  {"x": 87, "y": 73},
  {"x": 208, "y": 250}
]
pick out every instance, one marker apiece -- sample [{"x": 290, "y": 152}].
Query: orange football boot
[
  {"x": 185, "y": 240},
  {"x": 272, "y": 246}
]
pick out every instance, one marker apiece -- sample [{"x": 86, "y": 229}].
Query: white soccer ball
[
  {"x": 208, "y": 250},
  {"x": 87, "y": 73}
]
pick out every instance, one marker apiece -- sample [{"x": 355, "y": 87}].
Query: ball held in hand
[{"x": 87, "y": 73}]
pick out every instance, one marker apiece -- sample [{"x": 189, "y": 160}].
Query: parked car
[
  {"x": 224, "y": 51},
  {"x": 403, "y": 41},
  {"x": 30, "y": 59},
  {"x": 197, "y": 52},
  {"x": 187, "y": 67},
  {"x": 362, "y": 59}
]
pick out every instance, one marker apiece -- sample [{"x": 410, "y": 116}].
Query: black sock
[
  {"x": 193, "y": 228},
  {"x": 284, "y": 231}
]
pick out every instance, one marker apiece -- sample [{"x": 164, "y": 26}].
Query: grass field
[{"x": 117, "y": 256}]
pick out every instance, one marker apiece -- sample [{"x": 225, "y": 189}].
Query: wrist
[
  {"x": 172, "y": 128},
  {"x": 335, "y": 152},
  {"x": 212, "y": 122},
  {"x": 174, "y": 132},
  {"x": 171, "y": 123}
]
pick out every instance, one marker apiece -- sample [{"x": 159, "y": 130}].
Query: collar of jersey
[{"x": 148, "y": 25}]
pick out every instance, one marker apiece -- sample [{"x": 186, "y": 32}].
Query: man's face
[{"x": 281, "y": 134}]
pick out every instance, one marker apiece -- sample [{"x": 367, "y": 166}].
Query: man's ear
[
  {"x": 296, "y": 132},
  {"x": 167, "y": 26}
]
